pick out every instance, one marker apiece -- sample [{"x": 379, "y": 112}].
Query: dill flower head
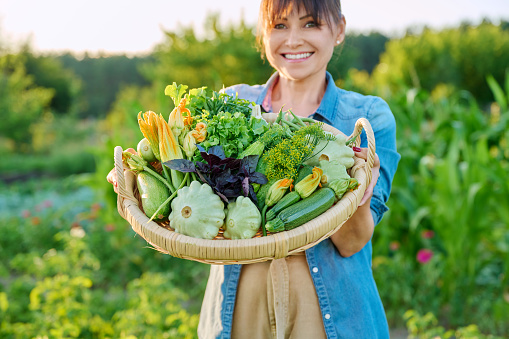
[{"x": 284, "y": 159}]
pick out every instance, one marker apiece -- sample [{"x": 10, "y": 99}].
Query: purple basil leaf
[
  {"x": 252, "y": 195},
  {"x": 258, "y": 178},
  {"x": 217, "y": 151},
  {"x": 249, "y": 163},
  {"x": 181, "y": 165},
  {"x": 245, "y": 186},
  {"x": 202, "y": 167}
]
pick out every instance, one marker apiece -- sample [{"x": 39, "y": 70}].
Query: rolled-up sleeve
[{"x": 384, "y": 128}]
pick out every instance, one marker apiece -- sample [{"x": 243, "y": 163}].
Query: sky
[{"x": 135, "y": 27}]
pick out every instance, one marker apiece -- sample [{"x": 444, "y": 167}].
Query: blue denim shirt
[{"x": 347, "y": 293}]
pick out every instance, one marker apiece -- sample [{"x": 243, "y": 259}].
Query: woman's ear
[{"x": 341, "y": 31}]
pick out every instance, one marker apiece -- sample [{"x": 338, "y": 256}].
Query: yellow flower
[
  {"x": 277, "y": 190},
  {"x": 168, "y": 146},
  {"x": 176, "y": 119},
  {"x": 149, "y": 127},
  {"x": 309, "y": 184},
  {"x": 200, "y": 132}
]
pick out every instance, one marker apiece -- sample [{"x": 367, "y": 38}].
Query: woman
[{"x": 330, "y": 291}]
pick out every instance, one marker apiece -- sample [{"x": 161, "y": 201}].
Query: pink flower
[
  {"x": 427, "y": 234},
  {"x": 25, "y": 214},
  {"x": 47, "y": 203},
  {"x": 109, "y": 228},
  {"x": 424, "y": 255},
  {"x": 394, "y": 245}
]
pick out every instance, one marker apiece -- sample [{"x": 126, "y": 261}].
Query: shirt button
[
  {"x": 315, "y": 269},
  {"x": 327, "y": 316}
]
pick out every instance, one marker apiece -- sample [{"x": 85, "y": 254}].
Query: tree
[
  {"x": 461, "y": 57},
  {"x": 21, "y": 102}
]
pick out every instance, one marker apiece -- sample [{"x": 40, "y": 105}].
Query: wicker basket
[{"x": 260, "y": 248}]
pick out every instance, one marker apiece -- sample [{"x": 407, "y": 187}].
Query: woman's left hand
[{"x": 375, "y": 172}]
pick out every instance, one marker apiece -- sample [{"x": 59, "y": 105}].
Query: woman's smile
[{"x": 293, "y": 57}]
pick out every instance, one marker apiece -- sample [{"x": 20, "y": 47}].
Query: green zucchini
[
  {"x": 286, "y": 201},
  {"x": 304, "y": 171},
  {"x": 153, "y": 193},
  {"x": 302, "y": 211}
]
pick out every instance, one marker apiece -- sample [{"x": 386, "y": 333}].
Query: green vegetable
[
  {"x": 230, "y": 131},
  {"x": 242, "y": 219},
  {"x": 197, "y": 211},
  {"x": 341, "y": 186},
  {"x": 303, "y": 211},
  {"x": 335, "y": 150},
  {"x": 286, "y": 201},
  {"x": 304, "y": 171},
  {"x": 145, "y": 150},
  {"x": 332, "y": 170},
  {"x": 153, "y": 194}
]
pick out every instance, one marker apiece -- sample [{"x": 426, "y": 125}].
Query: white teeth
[{"x": 297, "y": 56}]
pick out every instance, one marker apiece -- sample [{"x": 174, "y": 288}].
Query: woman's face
[{"x": 298, "y": 47}]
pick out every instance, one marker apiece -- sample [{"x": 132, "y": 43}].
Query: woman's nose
[{"x": 294, "y": 38}]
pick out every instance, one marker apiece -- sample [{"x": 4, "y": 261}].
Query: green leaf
[
  {"x": 176, "y": 92},
  {"x": 498, "y": 92}
]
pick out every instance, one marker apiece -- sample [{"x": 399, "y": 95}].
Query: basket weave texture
[{"x": 260, "y": 248}]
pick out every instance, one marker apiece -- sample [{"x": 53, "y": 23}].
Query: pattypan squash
[
  {"x": 243, "y": 219},
  {"x": 332, "y": 170},
  {"x": 197, "y": 211},
  {"x": 333, "y": 150}
]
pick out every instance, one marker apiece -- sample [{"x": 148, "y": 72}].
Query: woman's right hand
[{"x": 112, "y": 176}]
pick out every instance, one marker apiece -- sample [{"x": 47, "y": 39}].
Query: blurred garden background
[{"x": 71, "y": 267}]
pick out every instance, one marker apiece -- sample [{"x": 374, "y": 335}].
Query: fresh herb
[
  {"x": 228, "y": 177},
  {"x": 231, "y": 131},
  {"x": 210, "y": 103}
]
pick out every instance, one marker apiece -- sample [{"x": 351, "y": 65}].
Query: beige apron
[{"x": 277, "y": 299}]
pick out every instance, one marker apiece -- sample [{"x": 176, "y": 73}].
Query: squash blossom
[
  {"x": 277, "y": 191},
  {"x": 342, "y": 185},
  {"x": 169, "y": 149},
  {"x": 309, "y": 184},
  {"x": 200, "y": 132},
  {"x": 189, "y": 145},
  {"x": 149, "y": 127},
  {"x": 135, "y": 162},
  {"x": 176, "y": 119}
]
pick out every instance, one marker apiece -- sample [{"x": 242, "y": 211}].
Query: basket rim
[{"x": 242, "y": 251}]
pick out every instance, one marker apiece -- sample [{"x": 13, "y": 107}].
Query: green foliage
[
  {"x": 67, "y": 273},
  {"x": 426, "y": 327},
  {"x": 101, "y": 79},
  {"x": 21, "y": 103},
  {"x": 450, "y": 182},
  {"x": 225, "y": 56},
  {"x": 460, "y": 56},
  {"x": 49, "y": 72}
]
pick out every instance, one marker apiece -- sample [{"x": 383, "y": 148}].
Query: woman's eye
[
  {"x": 279, "y": 26},
  {"x": 311, "y": 24}
]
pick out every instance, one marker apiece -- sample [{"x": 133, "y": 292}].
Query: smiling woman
[{"x": 329, "y": 291}]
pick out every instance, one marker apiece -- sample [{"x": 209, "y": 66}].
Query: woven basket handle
[
  {"x": 363, "y": 123},
  {"x": 121, "y": 182}
]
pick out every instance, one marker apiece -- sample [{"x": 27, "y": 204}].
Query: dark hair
[{"x": 320, "y": 10}]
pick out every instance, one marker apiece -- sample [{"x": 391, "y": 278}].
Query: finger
[{"x": 131, "y": 150}]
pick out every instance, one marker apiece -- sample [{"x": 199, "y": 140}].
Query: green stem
[
  {"x": 352, "y": 139},
  {"x": 264, "y": 210},
  {"x": 291, "y": 124},
  {"x": 298, "y": 119},
  {"x": 158, "y": 176},
  {"x": 311, "y": 121},
  {"x": 279, "y": 116},
  {"x": 194, "y": 177},
  {"x": 170, "y": 198}
]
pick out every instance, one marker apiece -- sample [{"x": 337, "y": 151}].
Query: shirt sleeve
[{"x": 384, "y": 128}]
